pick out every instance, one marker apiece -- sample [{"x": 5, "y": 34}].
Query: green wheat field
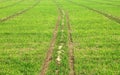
[{"x": 59, "y": 37}]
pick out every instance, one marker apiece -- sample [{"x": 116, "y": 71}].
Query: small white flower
[
  {"x": 58, "y": 59},
  {"x": 60, "y": 47}
]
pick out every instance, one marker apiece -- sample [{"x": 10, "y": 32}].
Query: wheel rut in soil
[
  {"x": 69, "y": 38},
  {"x": 60, "y": 42},
  {"x": 70, "y": 46},
  {"x": 12, "y": 4},
  {"x": 50, "y": 49},
  {"x": 19, "y": 13},
  {"x": 109, "y": 16},
  {"x": 103, "y": 3}
]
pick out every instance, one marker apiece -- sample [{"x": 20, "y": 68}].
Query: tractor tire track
[
  {"x": 70, "y": 41},
  {"x": 19, "y": 13},
  {"x": 102, "y": 3},
  {"x": 70, "y": 46},
  {"x": 61, "y": 44},
  {"x": 109, "y": 16},
  {"x": 12, "y": 4},
  {"x": 50, "y": 49},
  {"x": 112, "y": 1},
  {"x": 58, "y": 6}
]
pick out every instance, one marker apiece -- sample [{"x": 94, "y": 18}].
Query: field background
[{"x": 25, "y": 38}]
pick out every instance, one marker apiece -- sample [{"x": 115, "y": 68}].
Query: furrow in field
[
  {"x": 18, "y": 13},
  {"x": 102, "y": 3},
  {"x": 63, "y": 59},
  {"x": 11, "y": 4},
  {"x": 109, "y": 16},
  {"x": 70, "y": 46},
  {"x": 111, "y": 1},
  {"x": 50, "y": 49},
  {"x": 61, "y": 43},
  {"x": 61, "y": 47}
]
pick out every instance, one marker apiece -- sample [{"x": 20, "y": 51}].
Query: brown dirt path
[
  {"x": 70, "y": 46},
  {"x": 50, "y": 49},
  {"x": 70, "y": 41}
]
